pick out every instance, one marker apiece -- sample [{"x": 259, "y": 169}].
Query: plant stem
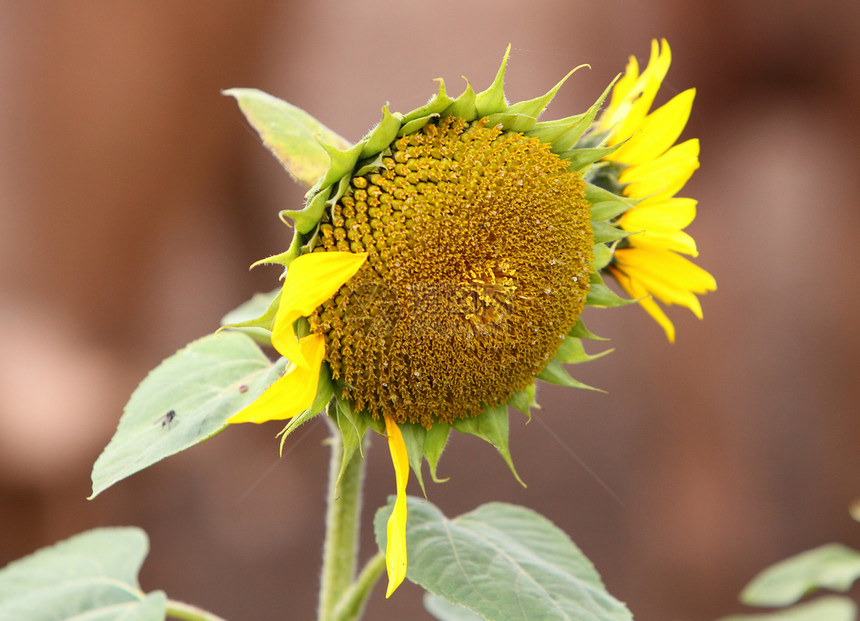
[
  {"x": 187, "y": 612},
  {"x": 351, "y": 604},
  {"x": 340, "y": 551}
]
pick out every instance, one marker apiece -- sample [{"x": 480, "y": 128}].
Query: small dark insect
[
  {"x": 168, "y": 418},
  {"x": 243, "y": 388}
]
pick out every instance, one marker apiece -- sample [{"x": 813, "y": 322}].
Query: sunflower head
[
  {"x": 439, "y": 268},
  {"x": 478, "y": 250}
]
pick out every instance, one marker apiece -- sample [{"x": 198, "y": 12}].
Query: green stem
[
  {"x": 187, "y": 612},
  {"x": 340, "y": 552},
  {"x": 351, "y": 604}
]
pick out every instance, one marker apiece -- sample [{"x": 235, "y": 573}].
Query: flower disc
[{"x": 479, "y": 243}]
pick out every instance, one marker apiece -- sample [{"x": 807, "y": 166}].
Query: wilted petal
[
  {"x": 293, "y": 393},
  {"x": 311, "y": 280},
  {"x": 395, "y": 549}
]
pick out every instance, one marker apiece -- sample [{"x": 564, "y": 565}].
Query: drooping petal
[
  {"x": 636, "y": 290},
  {"x": 291, "y": 394},
  {"x": 395, "y": 549},
  {"x": 668, "y": 265},
  {"x": 311, "y": 280}
]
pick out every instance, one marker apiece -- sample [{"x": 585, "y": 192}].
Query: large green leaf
[
  {"x": 185, "y": 400},
  {"x": 289, "y": 133},
  {"x": 90, "y": 576},
  {"x": 502, "y": 562},
  {"x": 832, "y": 566},
  {"x": 444, "y": 610},
  {"x": 830, "y": 608}
]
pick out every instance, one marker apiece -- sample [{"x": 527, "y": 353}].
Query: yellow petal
[
  {"x": 395, "y": 549},
  {"x": 311, "y": 280},
  {"x": 668, "y": 266},
  {"x": 663, "y": 177},
  {"x": 674, "y": 213},
  {"x": 646, "y": 302},
  {"x": 658, "y": 131},
  {"x": 620, "y": 92},
  {"x": 291, "y": 394},
  {"x": 666, "y": 276},
  {"x": 664, "y": 238},
  {"x": 630, "y": 115}
]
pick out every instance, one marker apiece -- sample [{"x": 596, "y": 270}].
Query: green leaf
[
  {"x": 832, "y": 566},
  {"x": 89, "y": 576},
  {"x": 829, "y": 608},
  {"x": 203, "y": 385},
  {"x": 261, "y": 308},
  {"x": 444, "y": 610},
  {"x": 491, "y": 426},
  {"x": 289, "y": 133},
  {"x": 502, "y": 562}
]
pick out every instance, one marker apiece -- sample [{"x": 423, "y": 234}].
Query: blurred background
[{"x": 133, "y": 197}]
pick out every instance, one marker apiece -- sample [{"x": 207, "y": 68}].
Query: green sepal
[
  {"x": 555, "y": 373},
  {"x": 491, "y": 426},
  {"x": 602, "y": 257},
  {"x": 289, "y": 133},
  {"x": 325, "y": 392},
  {"x": 605, "y": 232},
  {"x": 535, "y": 107},
  {"x": 563, "y": 134},
  {"x": 582, "y": 159},
  {"x": 524, "y": 400},
  {"x": 415, "y": 124},
  {"x": 259, "y": 327},
  {"x": 603, "y": 297},
  {"x": 572, "y": 352},
  {"x": 342, "y": 161},
  {"x": 511, "y": 122},
  {"x": 381, "y": 136},
  {"x": 437, "y": 104},
  {"x": 464, "y": 106},
  {"x": 581, "y": 332},
  {"x": 352, "y": 429},
  {"x": 434, "y": 443},
  {"x": 604, "y": 204},
  {"x": 492, "y": 100},
  {"x": 414, "y": 436},
  {"x": 306, "y": 219}
]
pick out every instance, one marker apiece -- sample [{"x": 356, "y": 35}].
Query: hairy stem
[{"x": 340, "y": 552}]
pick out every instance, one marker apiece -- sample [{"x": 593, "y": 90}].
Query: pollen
[{"x": 479, "y": 243}]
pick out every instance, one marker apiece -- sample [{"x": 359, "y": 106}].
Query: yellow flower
[
  {"x": 651, "y": 171},
  {"x": 442, "y": 264}
]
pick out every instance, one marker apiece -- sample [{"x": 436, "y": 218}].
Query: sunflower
[
  {"x": 649, "y": 168},
  {"x": 439, "y": 267}
]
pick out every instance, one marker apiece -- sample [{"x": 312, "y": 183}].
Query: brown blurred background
[{"x": 133, "y": 197}]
